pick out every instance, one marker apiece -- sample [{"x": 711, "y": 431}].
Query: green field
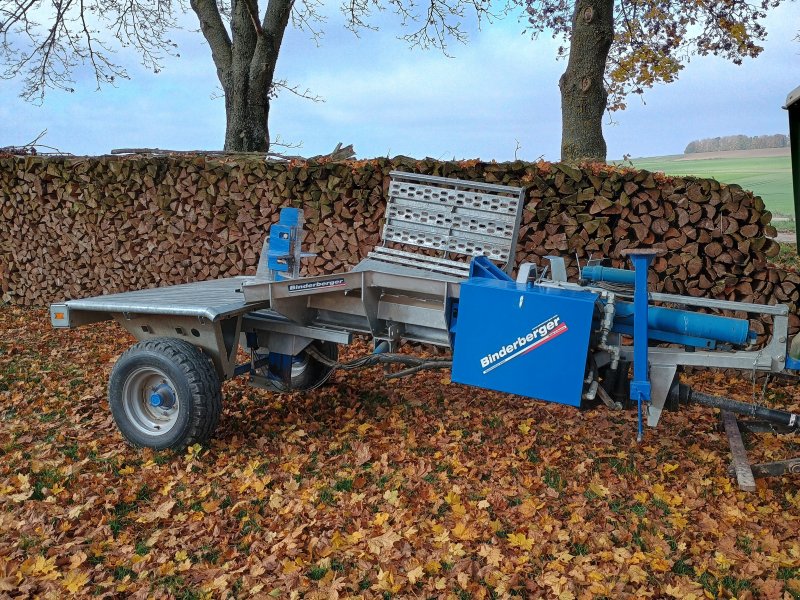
[{"x": 768, "y": 177}]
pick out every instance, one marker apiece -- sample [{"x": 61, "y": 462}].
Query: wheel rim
[
  {"x": 299, "y": 364},
  {"x": 139, "y": 388}
]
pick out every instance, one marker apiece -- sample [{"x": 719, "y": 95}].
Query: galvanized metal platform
[{"x": 212, "y": 300}]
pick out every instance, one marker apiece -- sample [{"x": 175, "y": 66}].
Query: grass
[{"x": 768, "y": 177}]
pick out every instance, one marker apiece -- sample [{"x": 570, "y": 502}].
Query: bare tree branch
[{"x": 216, "y": 35}]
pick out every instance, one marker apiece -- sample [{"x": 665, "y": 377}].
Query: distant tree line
[{"x": 738, "y": 142}]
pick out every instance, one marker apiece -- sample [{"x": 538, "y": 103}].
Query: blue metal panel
[
  {"x": 530, "y": 341},
  {"x": 280, "y": 247},
  {"x": 281, "y": 237}
]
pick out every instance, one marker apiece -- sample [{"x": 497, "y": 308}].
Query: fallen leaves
[
  {"x": 75, "y": 580},
  {"x": 361, "y": 488},
  {"x": 382, "y": 543}
]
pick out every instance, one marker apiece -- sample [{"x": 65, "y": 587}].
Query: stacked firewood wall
[{"x": 75, "y": 227}]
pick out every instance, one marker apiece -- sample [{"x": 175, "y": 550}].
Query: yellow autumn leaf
[
  {"x": 661, "y": 565},
  {"x": 432, "y": 567},
  {"x": 211, "y": 506},
  {"x": 722, "y": 561},
  {"x": 193, "y": 451},
  {"x": 530, "y": 507},
  {"x": 462, "y": 531},
  {"x": 491, "y": 554},
  {"x": 391, "y": 496},
  {"x": 670, "y": 467},
  {"x": 637, "y": 574},
  {"x": 386, "y": 582},
  {"x": 181, "y": 555},
  {"x": 291, "y": 566},
  {"x": 356, "y": 536},
  {"x": 525, "y": 427},
  {"x": 415, "y": 575},
  {"x": 381, "y": 543},
  {"x": 380, "y": 518},
  {"x": 40, "y": 566},
  {"x": 452, "y": 497},
  {"x": 598, "y": 489},
  {"x": 520, "y": 540},
  {"x": 463, "y": 580}
]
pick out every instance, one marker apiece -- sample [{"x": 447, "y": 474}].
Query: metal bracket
[{"x": 661, "y": 377}]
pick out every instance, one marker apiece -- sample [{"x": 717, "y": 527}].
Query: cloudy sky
[{"x": 498, "y": 91}]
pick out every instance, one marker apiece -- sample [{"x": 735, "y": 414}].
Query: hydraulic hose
[{"x": 683, "y": 393}]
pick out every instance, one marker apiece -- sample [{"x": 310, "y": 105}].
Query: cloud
[
  {"x": 384, "y": 98},
  {"x": 476, "y": 104}
]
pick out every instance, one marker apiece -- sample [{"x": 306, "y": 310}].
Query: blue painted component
[
  {"x": 685, "y": 323},
  {"x": 382, "y": 347},
  {"x": 452, "y": 321},
  {"x": 281, "y": 238},
  {"x": 640, "y": 386},
  {"x": 242, "y": 369},
  {"x": 666, "y": 336},
  {"x": 792, "y": 363},
  {"x": 609, "y": 274},
  {"x": 526, "y": 340},
  {"x": 252, "y": 339},
  {"x": 163, "y": 397},
  {"x": 280, "y": 367},
  {"x": 484, "y": 268}
]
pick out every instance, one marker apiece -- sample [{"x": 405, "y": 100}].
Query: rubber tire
[
  {"x": 313, "y": 374},
  {"x": 196, "y": 384}
]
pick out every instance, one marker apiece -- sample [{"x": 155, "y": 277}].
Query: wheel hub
[
  {"x": 150, "y": 401},
  {"x": 162, "y": 397}
]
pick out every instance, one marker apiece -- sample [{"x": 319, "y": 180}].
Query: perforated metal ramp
[{"x": 452, "y": 218}]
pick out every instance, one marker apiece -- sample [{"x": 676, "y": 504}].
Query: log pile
[{"x": 75, "y": 227}]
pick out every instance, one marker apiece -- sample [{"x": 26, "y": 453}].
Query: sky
[{"x": 495, "y": 98}]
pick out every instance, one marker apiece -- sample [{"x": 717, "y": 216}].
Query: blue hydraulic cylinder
[
  {"x": 685, "y": 323},
  {"x": 609, "y": 274}
]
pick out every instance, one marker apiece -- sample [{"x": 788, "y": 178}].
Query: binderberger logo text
[
  {"x": 538, "y": 335},
  {"x": 316, "y": 285}
]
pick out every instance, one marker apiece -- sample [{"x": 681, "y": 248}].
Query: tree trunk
[
  {"x": 245, "y": 62},
  {"x": 583, "y": 95},
  {"x": 247, "y": 128}
]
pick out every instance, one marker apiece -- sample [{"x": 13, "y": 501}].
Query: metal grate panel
[{"x": 454, "y": 216}]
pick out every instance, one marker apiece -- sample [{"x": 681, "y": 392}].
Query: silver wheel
[
  {"x": 165, "y": 393},
  {"x": 150, "y": 401}
]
